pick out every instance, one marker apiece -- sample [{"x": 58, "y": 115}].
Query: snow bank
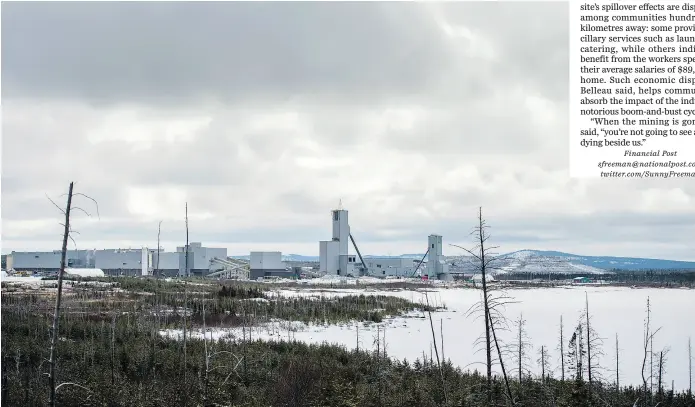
[{"x": 79, "y": 272}]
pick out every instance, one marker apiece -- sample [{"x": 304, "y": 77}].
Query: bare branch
[
  {"x": 56, "y": 205},
  {"x": 83, "y": 211},
  {"x": 71, "y": 384},
  {"x": 93, "y": 200}
]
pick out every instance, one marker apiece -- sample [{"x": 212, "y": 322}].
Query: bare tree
[
  {"x": 588, "y": 339},
  {"x": 491, "y": 306},
  {"x": 159, "y": 247},
  {"x": 521, "y": 347},
  {"x": 617, "y": 363},
  {"x": 56, "y": 312},
  {"x": 483, "y": 256},
  {"x": 67, "y": 234},
  {"x": 690, "y": 367},
  {"x": 185, "y": 302},
  {"x": 441, "y": 335},
  {"x": 544, "y": 363},
  {"x": 562, "y": 350},
  {"x": 648, "y": 346},
  {"x": 594, "y": 347},
  {"x": 576, "y": 353},
  {"x": 436, "y": 352},
  {"x": 113, "y": 349},
  {"x": 357, "y": 334},
  {"x": 660, "y": 388},
  {"x": 493, "y": 322}
]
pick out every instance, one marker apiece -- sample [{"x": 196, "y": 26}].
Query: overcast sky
[{"x": 264, "y": 116}]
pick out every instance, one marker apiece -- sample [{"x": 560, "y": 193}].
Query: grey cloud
[
  {"x": 68, "y": 68},
  {"x": 469, "y": 130},
  {"x": 609, "y": 228},
  {"x": 242, "y": 52},
  {"x": 532, "y": 37}
]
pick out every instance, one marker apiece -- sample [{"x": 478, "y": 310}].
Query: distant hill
[
  {"x": 622, "y": 263},
  {"x": 540, "y": 261}
]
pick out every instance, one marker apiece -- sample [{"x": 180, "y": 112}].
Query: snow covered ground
[
  {"x": 31, "y": 281},
  {"x": 615, "y": 311}
]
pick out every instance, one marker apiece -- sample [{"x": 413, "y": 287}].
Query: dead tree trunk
[
  {"x": 159, "y": 234},
  {"x": 357, "y": 340},
  {"x": 436, "y": 352},
  {"x": 56, "y": 312},
  {"x": 113, "y": 349},
  {"x": 185, "y": 304},
  {"x": 562, "y": 351},
  {"x": 543, "y": 364},
  {"x": 646, "y": 348},
  {"x": 499, "y": 355},
  {"x": 661, "y": 375},
  {"x": 488, "y": 347},
  {"x": 651, "y": 368},
  {"x": 484, "y": 257},
  {"x": 588, "y": 342},
  {"x": 690, "y": 368},
  {"x": 441, "y": 335},
  {"x": 206, "y": 383},
  {"x": 520, "y": 347},
  {"x": 617, "y": 363}
]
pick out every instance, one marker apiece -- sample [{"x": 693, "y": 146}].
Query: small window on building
[
  {"x": 36, "y": 257},
  {"x": 384, "y": 272},
  {"x": 433, "y": 245},
  {"x": 336, "y": 215},
  {"x": 378, "y": 266}
]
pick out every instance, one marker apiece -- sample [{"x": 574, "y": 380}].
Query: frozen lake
[{"x": 614, "y": 311}]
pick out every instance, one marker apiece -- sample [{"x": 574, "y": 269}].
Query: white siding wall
[
  {"x": 332, "y": 257},
  {"x": 341, "y": 230},
  {"x": 167, "y": 260},
  {"x": 435, "y": 259},
  {"x": 266, "y": 261},
  {"x": 118, "y": 259},
  {"x": 215, "y": 252},
  {"x": 323, "y": 259},
  {"x": 387, "y": 266},
  {"x": 145, "y": 261},
  {"x": 34, "y": 260}
]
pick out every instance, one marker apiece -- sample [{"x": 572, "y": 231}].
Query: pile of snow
[
  {"x": 4, "y": 273},
  {"x": 33, "y": 281},
  {"x": 78, "y": 272},
  {"x": 478, "y": 278}
]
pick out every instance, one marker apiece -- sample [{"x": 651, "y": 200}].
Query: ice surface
[{"x": 614, "y": 311}]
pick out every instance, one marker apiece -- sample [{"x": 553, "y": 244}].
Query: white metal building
[
  {"x": 436, "y": 262},
  {"x": 333, "y": 254},
  {"x": 34, "y": 260},
  {"x": 389, "y": 266},
  {"x": 123, "y": 261},
  {"x": 199, "y": 258},
  {"x": 49, "y": 261},
  {"x": 266, "y": 264},
  {"x": 267, "y": 261},
  {"x": 168, "y": 263}
]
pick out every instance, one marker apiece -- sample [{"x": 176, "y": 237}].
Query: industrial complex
[{"x": 196, "y": 260}]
